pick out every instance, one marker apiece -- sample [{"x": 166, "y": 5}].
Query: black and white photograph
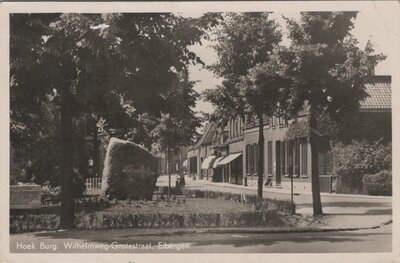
[{"x": 197, "y": 130}]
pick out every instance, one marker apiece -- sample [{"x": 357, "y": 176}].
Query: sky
[{"x": 367, "y": 26}]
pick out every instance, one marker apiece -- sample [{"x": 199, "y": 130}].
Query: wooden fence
[{"x": 93, "y": 183}]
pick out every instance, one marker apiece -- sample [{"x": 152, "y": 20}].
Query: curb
[
  {"x": 263, "y": 231},
  {"x": 237, "y": 230}
]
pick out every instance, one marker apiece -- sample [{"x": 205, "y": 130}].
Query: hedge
[
  {"x": 26, "y": 223},
  {"x": 354, "y": 161},
  {"x": 379, "y": 183}
]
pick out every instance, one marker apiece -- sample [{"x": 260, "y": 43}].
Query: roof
[
  {"x": 208, "y": 135},
  {"x": 380, "y": 94}
]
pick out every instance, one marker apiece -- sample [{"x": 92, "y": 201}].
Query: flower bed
[{"x": 198, "y": 209}]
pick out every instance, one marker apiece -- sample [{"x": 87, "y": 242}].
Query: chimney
[{"x": 371, "y": 67}]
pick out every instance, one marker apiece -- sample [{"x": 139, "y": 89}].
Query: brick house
[{"x": 372, "y": 122}]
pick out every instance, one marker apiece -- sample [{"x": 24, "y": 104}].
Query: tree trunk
[
  {"x": 67, "y": 198},
  {"x": 316, "y": 195},
  {"x": 260, "y": 184},
  {"x": 96, "y": 155},
  {"x": 169, "y": 172}
]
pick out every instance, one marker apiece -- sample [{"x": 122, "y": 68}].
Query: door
[{"x": 278, "y": 162}]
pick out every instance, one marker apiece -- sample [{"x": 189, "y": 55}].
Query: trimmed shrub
[
  {"x": 50, "y": 195},
  {"x": 354, "y": 161},
  {"x": 29, "y": 222},
  {"x": 379, "y": 183},
  {"x": 130, "y": 171}
]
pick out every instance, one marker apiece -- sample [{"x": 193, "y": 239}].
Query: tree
[
  {"x": 177, "y": 128},
  {"x": 92, "y": 63},
  {"x": 252, "y": 78},
  {"x": 328, "y": 70}
]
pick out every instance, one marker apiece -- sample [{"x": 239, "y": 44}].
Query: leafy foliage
[
  {"x": 326, "y": 65},
  {"x": 379, "y": 183},
  {"x": 119, "y": 68},
  {"x": 110, "y": 67},
  {"x": 244, "y": 47},
  {"x": 327, "y": 71},
  {"x": 354, "y": 161},
  {"x": 177, "y": 127}
]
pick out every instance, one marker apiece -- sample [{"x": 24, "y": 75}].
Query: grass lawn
[{"x": 191, "y": 205}]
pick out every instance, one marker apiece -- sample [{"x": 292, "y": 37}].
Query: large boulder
[{"x": 130, "y": 171}]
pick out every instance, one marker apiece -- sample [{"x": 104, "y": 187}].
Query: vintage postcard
[{"x": 200, "y": 131}]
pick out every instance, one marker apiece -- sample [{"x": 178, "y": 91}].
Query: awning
[
  {"x": 229, "y": 158},
  {"x": 206, "y": 163},
  {"x": 185, "y": 163},
  {"x": 217, "y": 161}
]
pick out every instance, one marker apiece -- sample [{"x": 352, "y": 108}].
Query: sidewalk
[{"x": 277, "y": 190}]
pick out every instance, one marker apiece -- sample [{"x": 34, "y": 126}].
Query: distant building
[
  {"x": 202, "y": 155},
  {"x": 177, "y": 159}
]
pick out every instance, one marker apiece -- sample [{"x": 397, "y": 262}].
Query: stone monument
[{"x": 130, "y": 171}]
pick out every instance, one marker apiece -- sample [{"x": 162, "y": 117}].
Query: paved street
[{"x": 375, "y": 240}]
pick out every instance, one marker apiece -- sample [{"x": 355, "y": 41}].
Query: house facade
[{"x": 284, "y": 155}]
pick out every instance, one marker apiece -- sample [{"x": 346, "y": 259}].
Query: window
[
  {"x": 325, "y": 163},
  {"x": 247, "y": 159},
  {"x": 283, "y": 157},
  {"x": 269, "y": 157},
  {"x": 255, "y": 163},
  {"x": 296, "y": 171},
  {"x": 325, "y": 160},
  {"x": 294, "y": 159},
  {"x": 265, "y": 119},
  {"x": 251, "y": 159},
  {"x": 272, "y": 121},
  {"x": 280, "y": 119},
  {"x": 236, "y": 127},
  {"x": 304, "y": 159}
]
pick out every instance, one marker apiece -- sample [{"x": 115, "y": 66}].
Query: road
[{"x": 374, "y": 240}]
